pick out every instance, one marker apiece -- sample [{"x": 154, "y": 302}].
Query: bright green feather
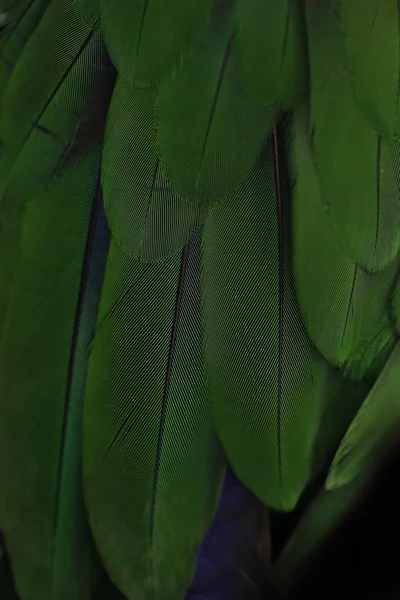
[
  {"x": 271, "y": 48},
  {"x": 210, "y": 133},
  {"x": 371, "y": 429},
  {"x": 358, "y": 171},
  {"x": 152, "y": 464},
  {"x": 266, "y": 379},
  {"x": 343, "y": 306},
  {"x": 148, "y": 39},
  {"x": 41, "y": 509},
  {"x": 147, "y": 219},
  {"x": 371, "y": 35}
]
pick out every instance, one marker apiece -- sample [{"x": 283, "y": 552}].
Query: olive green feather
[
  {"x": 396, "y": 306},
  {"x": 271, "y": 50},
  {"x": 371, "y": 32},
  {"x": 11, "y": 11},
  {"x": 358, "y": 170},
  {"x": 41, "y": 505},
  {"x": 344, "y": 308},
  {"x": 147, "y": 218},
  {"x": 266, "y": 380},
  {"x": 148, "y": 39},
  {"x": 210, "y": 133},
  {"x": 152, "y": 464},
  {"x": 371, "y": 429}
]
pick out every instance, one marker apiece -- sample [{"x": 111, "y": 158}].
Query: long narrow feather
[
  {"x": 148, "y": 39},
  {"x": 357, "y": 169},
  {"x": 371, "y": 36},
  {"x": 153, "y": 466},
  {"x": 271, "y": 48},
  {"x": 345, "y": 309},
  {"x": 42, "y": 366},
  {"x": 210, "y": 133},
  {"x": 266, "y": 379},
  {"x": 372, "y": 427},
  {"x": 147, "y": 219}
]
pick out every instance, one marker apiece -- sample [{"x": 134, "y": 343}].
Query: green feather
[
  {"x": 14, "y": 38},
  {"x": 271, "y": 49},
  {"x": 372, "y": 428},
  {"x": 372, "y": 40},
  {"x": 89, "y": 11},
  {"x": 11, "y": 10},
  {"x": 147, "y": 39},
  {"x": 147, "y": 219},
  {"x": 342, "y": 305},
  {"x": 358, "y": 171},
  {"x": 153, "y": 467},
  {"x": 40, "y": 122},
  {"x": 210, "y": 133},
  {"x": 41, "y": 509},
  {"x": 266, "y": 380}
]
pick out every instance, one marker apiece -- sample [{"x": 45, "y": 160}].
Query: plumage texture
[
  {"x": 41, "y": 509},
  {"x": 273, "y": 29},
  {"x": 210, "y": 133},
  {"x": 214, "y": 287},
  {"x": 153, "y": 467},
  {"x": 344, "y": 307},
  {"x": 147, "y": 40},
  {"x": 372, "y": 41},
  {"x": 358, "y": 170},
  {"x": 147, "y": 218},
  {"x": 264, "y": 374},
  {"x": 372, "y": 428}
]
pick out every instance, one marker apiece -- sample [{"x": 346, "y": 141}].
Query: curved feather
[
  {"x": 147, "y": 219},
  {"x": 266, "y": 379},
  {"x": 396, "y": 306},
  {"x": 41, "y": 122},
  {"x": 210, "y": 133},
  {"x": 344, "y": 308},
  {"x": 41, "y": 508},
  {"x": 148, "y": 39},
  {"x": 371, "y": 429},
  {"x": 371, "y": 35},
  {"x": 359, "y": 172},
  {"x": 272, "y": 32},
  {"x": 153, "y": 467}
]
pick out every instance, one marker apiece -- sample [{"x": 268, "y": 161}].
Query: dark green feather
[
  {"x": 14, "y": 38},
  {"x": 344, "y": 308},
  {"x": 271, "y": 48},
  {"x": 40, "y": 122},
  {"x": 371, "y": 32},
  {"x": 147, "y": 219},
  {"x": 359, "y": 172},
  {"x": 152, "y": 463},
  {"x": 88, "y": 10},
  {"x": 210, "y": 133},
  {"x": 266, "y": 380},
  {"x": 148, "y": 39},
  {"x": 371, "y": 429},
  {"x": 41, "y": 510}
]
